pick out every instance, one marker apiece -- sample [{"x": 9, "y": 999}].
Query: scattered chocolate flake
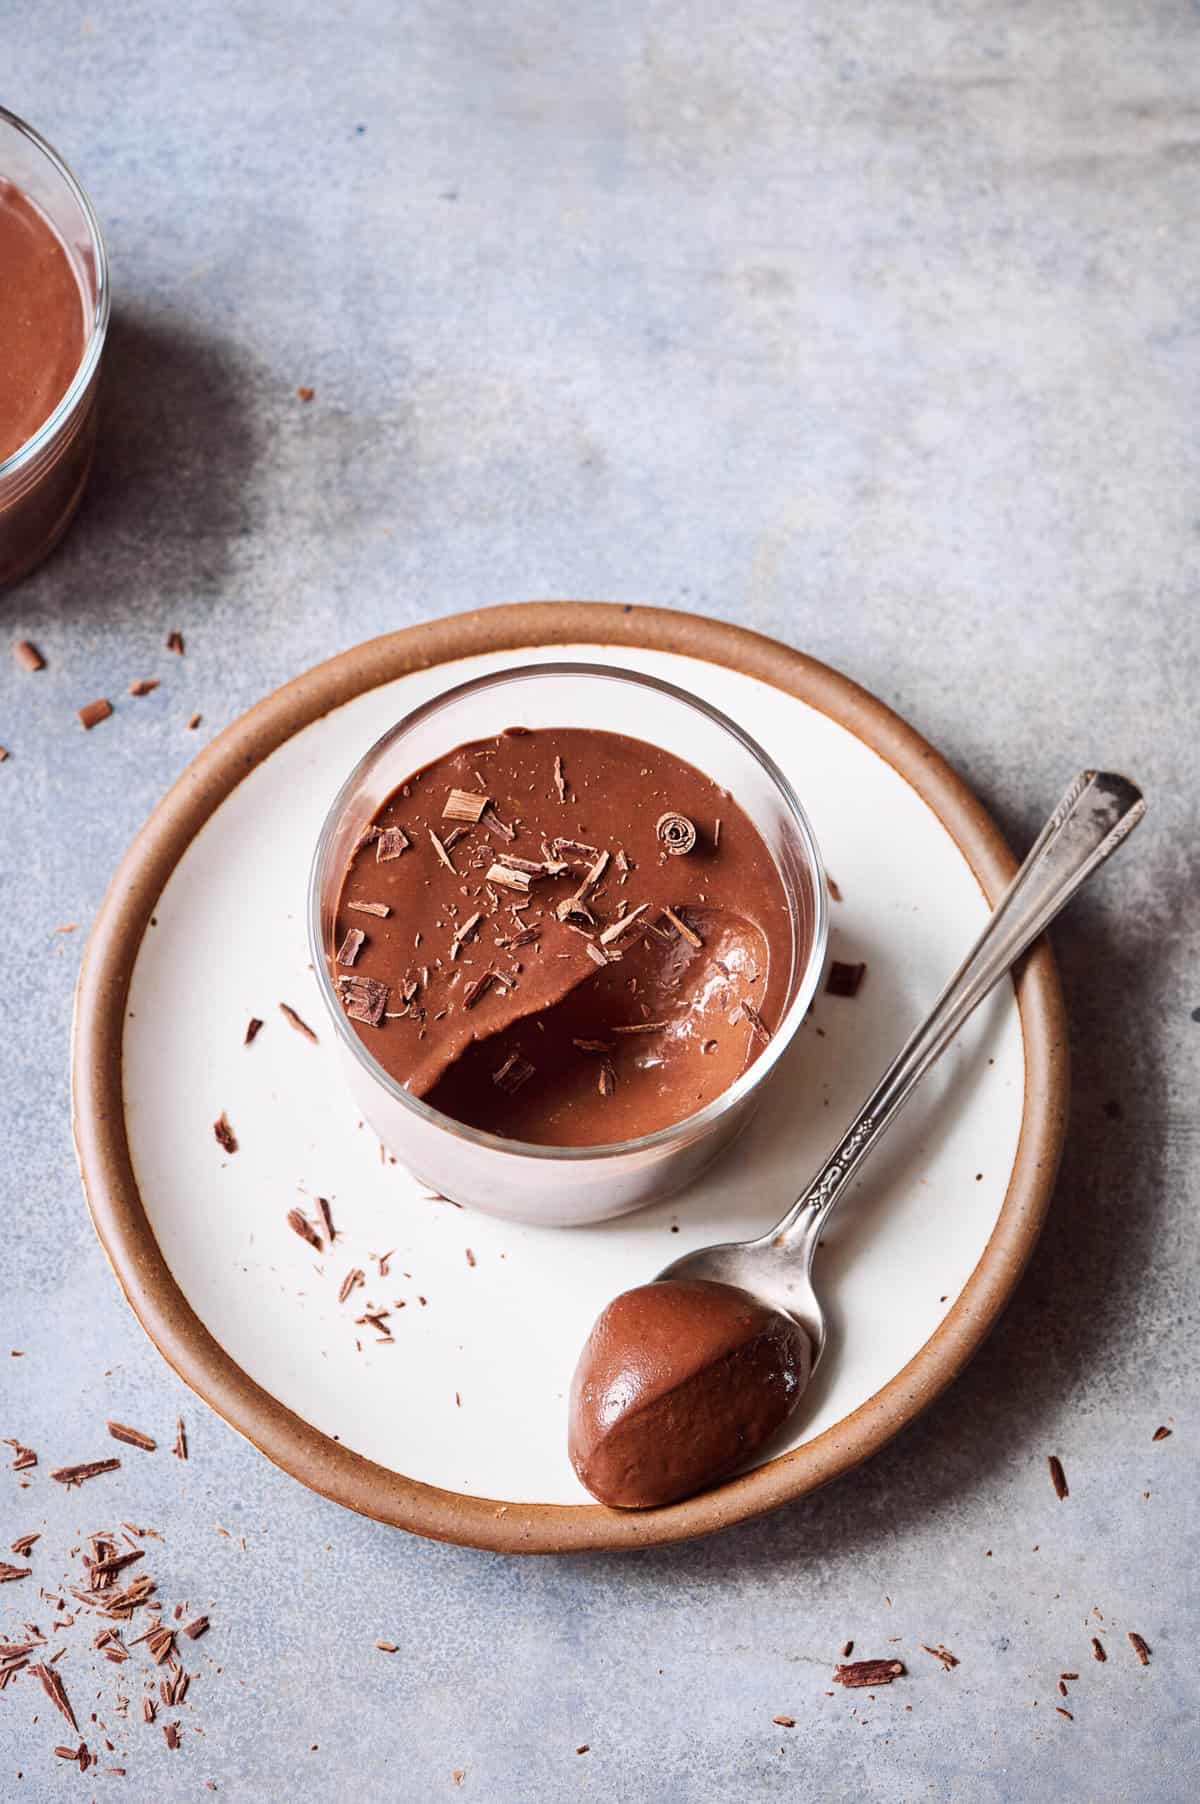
[
  {"x": 1098, "y": 1652},
  {"x": 379, "y": 909},
  {"x": 3, "y": 754},
  {"x": 253, "y": 1029},
  {"x": 305, "y": 393},
  {"x": 560, "y": 782},
  {"x": 680, "y": 926},
  {"x": 293, "y": 1019},
  {"x": 354, "y": 1277},
  {"x": 143, "y": 685},
  {"x": 784, "y": 1722},
  {"x": 464, "y": 805},
  {"x": 1058, "y": 1477},
  {"x": 1160, "y": 1434},
  {"x": 149, "y": 1712},
  {"x": 388, "y": 1647},
  {"x": 844, "y": 979},
  {"x": 442, "y": 853},
  {"x": 676, "y": 834},
  {"x": 832, "y": 887},
  {"x": 194, "y": 722},
  {"x": 8, "y": 1574},
  {"x": 377, "y": 1319},
  {"x": 390, "y": 843},
  {"x": 224, "y": 1133},
  {"x": 180, "y": 1449},
  {"x": 327, "y": 1218},
  {"x": 526, "y": 937},
  {"x": 948, "y": 1660},
  {"x": 595, "y": 953},
  {"x": 195, "y": 1628},
  {"x": 514, "y": 1072},
  {"x": 869, "y": 1672},
  {"x": 364, "y": 998},
  {"x": 23, "y": 1457},
  {"x": 22, "y": 1546},
  {"x": 509, "y": 877},
  {"x": 1068, "y": 1675},
  {"x": 175, "y": 643},
  {"x": 494, "y": 824},
  {"x": 1062, "y": 1690},
  {"x": 92, "y": 713},
  {"x": 132, "y": 1437},
  {"x": 574, "y": 849},
  {"x": 171, "y": 1735},
  {"x": 55, "y": 1690},
  {"x": 847, "y": 1650},
  {"x": 1065, "y": 1713},
  {"x": 299, "y": 1223},
  {"x": 642, "y": 1027},
  {"x": 608, "y": 1079},
  {"x": 351, "y": 946},
  {"x": 616, "y": 929},
  {"x": 1140, "y": 1647},
  {"x": 92, "y": 1468},
  {"x": 478, "y": 987},
  {"x": 585, "y": 1747},
  {"x": 758, "y": 1026},
  {"x": 466, "y": 930},
  {"x": 470, "y": 1257},
  {"x": 28, "y": 656}
]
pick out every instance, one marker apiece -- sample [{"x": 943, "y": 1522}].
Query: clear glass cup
[
  {"x": 555, "y": 1185},
  {"x": 42, "y": 483}
]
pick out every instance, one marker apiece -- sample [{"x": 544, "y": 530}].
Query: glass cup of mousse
[
  {"x": 54, "y": 307},
  {"x": 516, "y": 916}
]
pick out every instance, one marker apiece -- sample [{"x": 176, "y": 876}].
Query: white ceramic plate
[{"x": 469, "y": 1395}]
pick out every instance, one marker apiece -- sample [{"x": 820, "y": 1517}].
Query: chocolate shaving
[
  {"x": 379, "y": 909},
  {"x": 92, "y": 713},
  {"x": 28, "y": 656},
  {"x": 758, "y": 1026},
  {"x": 175, "y": 643},
  {"x": 327, "y": 1218},
  {"x": 180, "y": 1449},
  {"x": 1058, "y": 1477},
  {"x": 442, "y": 853},
  {"x": 464, "y": 805},
  {"x": 1098, "y": 1652},
  {"x": 1065, "y": 1713},
  {"x": 948, "y": 1660},
  {"x": 784, "y": 1722},
  {"x": 299, "y": 1223},
  {"x": 224, "y": 1133},
  {"x": 194, "y": 722},
  {"x": 1160, "y": 1434},
  {"x": 364, "y": 998},
  {"x": 494, "y": 824},
  {"x": 595, "y": 954},
  {"x": 92, "y": 1468},
  {"x": 293, "y": 1019},
  {"x": 1140, "y": 1647},
  {"x": 23, "y": 1457},
  {"x": 847, "y": 1650},
  {"x": 392, "y": 841},
  {"x": 526, "y": 937},
  {"x": 132, "y": 1437},
  {"x": 466, "y": 930},
  {"x": 22, "y": 1546},
  {"x": 143, "y": 685},
  {"x": 10, "y": 1573},
  {"x": 509, "y": 877},
  {"x": 560, "y": 782},
  {"x": 354, "y": 1277},
  {"x": 388, "y": 1647},
  {"x": 477, "y": 988},
  {"x": 195, "y": 1628},
  {"x": 689, "y": 933},
  {"x": 676, "y": 834},
  {"x": 593, "y": 1045},
  {"x": 55, "y": 1690},
  {"x": 171, "y": 1735},
  {"x": 577, "y": 903},
  {"x": 844, "y": 979},
  {"x": 149, "y": 1711},
  {"x": 642, "y": 1027},
  {"x": 832, "y": 887},
  {"x": 351, "y": 946},
  {"x": 576, "y": 848},
  {"x": 868, "y": 1672},
  {"x": 514, "y": 1072},
  {"x": 253, "y": 1029},
  {"x": 608, "y": 1079},
  {"x": 617, "y": 928}
]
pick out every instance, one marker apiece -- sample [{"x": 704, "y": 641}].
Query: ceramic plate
[{"x": 454, "y": 1426}]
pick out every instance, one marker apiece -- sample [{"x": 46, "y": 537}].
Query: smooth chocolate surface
[
  {"x": 680, "y": 1382},
  {"x": 42, "y": 325},
  {"x": 561, "y": 1003}
]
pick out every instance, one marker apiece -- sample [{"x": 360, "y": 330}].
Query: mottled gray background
[{"x": 874, "y": 328}]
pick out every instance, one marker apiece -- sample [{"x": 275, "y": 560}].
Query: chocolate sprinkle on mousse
[
  {"x": 351, "y": 946},
  {"x": 364, "y": 998},
  {"x": 390, "y": 843},
  {"x": 676, "y": 834}
]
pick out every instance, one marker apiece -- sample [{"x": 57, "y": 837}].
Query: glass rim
[
  {"x": 691, "y": 1125},
  {"x": 26, "y": 453}
]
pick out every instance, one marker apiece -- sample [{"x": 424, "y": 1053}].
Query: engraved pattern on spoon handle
[{"x": 1097, "y": 812}]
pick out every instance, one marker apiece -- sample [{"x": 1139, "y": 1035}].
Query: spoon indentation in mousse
[
  {"x": 680, "y": 1382},
  {"x": 517, "y": 944}
]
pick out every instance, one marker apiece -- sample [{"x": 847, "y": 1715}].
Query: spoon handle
[{"x": 1094, "y": 816}]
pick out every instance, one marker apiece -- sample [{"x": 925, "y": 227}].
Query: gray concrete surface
[{"x": 871, "y": 327}]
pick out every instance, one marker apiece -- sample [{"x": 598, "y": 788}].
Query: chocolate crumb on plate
[
  {"x": 1161, "y": 1433},
  {"x": 23, "y": 1457},
  {"x": 27, "y": 655},
  {"x": 785, "y": 1722},
  {"x": 1065, "y": 1713},
  {"x": 868, "y": 1672},
  {"x": 143, "y": 685},
  {"x": 175, "y": 643},
  {"x": 92, "y": 713},
  {"x": 55, "y": 1690},
  {"x": 299, "y": 1223},
  {"x": 194, "y": 722},
  {"x": 1058, "y": 1477},
  {"x": 8, "y": 1575},
  {"x": 180, "y": 1449},
  {"x": 388, "y": 1647},
  {"x": 844, "y": 979},
  {"x": 224, "y": 1133},
  {"x": 1098, "y": 1652},
  {"x": 253, "y": 1029},
  {"x": 327, "y": 1218},
  {"x": 171, "y": 1734},
  {"x": 293, "y": 1019},
  {"x": 831, "y": 886},
  {"x": 76, "y": 1475},
  {"x": 1140, "y": 1647},
  {"x": 305, "y": 393},
  {"x": 195, "y": 1628},
  {"x": 22, "y": 1547},
  {"x": 132, "y": 1437},
  {"x": 847, "y": 1650},
  {"x": 948, "y": 1660}
]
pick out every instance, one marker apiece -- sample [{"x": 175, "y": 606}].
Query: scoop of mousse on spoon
[{"x": 682, "y": 1380}]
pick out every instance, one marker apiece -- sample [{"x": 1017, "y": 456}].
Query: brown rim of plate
[{"x": 302, "y": 1450}]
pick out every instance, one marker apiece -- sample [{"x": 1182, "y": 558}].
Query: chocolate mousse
[
  {"x": 42, "y": 323},
  {"x": 679, "y": 1383},
  {"x": 562, "y": 936}
]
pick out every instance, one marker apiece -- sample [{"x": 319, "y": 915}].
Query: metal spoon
[{"x": 1095, "y": 815}]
